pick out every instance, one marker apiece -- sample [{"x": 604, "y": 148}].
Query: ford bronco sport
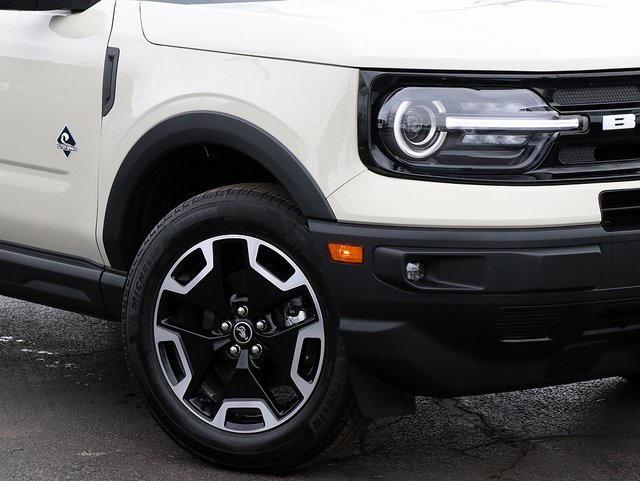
[{"x": 306, "y": 213}]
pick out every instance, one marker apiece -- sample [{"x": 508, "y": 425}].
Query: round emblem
[{"x": 242, "y": 332}]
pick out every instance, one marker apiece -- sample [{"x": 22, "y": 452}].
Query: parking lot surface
[{"x": 68, "y": 412}]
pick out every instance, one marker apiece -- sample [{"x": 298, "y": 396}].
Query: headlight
[{"x": 466, "y": 129}]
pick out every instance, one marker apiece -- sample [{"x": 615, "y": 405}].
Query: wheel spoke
[
  {"x": 285, "y": 349},
  {"x": 264, "y": 289},
  {"x": 245, "y": 385},
  {"x": 280, "y": 349},
  {"x": 197, "y": 350},
  {"x": 209, "y": 295},
  {"x": 263, "y": 295},
  {"x": 207, "y": 289}
]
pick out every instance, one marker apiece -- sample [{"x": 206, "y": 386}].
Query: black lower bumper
[{"x": 497, "y": 310}]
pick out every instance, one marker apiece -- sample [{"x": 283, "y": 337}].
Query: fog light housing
[{"x": 415, "y": 271}]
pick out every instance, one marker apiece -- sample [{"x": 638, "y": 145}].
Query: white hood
[{"x": 499, "y": 35}]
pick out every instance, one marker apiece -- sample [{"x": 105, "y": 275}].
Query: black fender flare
[{"x": 212, "y": 128}]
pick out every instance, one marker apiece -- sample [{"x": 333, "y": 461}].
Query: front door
[{"x": 51, "y": 75}]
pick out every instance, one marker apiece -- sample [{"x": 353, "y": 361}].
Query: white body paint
[{"x": 289, "y": 67}]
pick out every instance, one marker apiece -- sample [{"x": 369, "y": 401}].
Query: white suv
[{"x": 308, "y": 212}]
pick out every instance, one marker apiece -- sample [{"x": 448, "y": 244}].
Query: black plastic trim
[
  {"x": 47, "y": 5},
  {"x": 109, "y": 80},
  {"x": 212, "y": 128},
  {"x": 620, "y": 209},
  {"x": 60, "y": 281},
  {"x": 72, "y": 5},
  {"x": 492, "y": 270},
  {"x": 450, "y": 334},
  {"x": 375, "y": 85},
  {"x": 112, "y": 285},
  {"x": 377, "y": 399},
  {"x": 206, "y": 2}
]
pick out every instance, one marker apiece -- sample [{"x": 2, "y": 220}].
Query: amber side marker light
[{"x": 346, "y": 253}]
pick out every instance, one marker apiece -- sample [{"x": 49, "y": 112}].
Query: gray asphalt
[{"x": 68, "y": 412}]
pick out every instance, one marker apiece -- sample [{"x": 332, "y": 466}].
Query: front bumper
[{"x": 498, "y": 310}]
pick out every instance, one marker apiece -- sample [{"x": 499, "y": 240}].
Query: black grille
[
  {"x": 577, "y": 155},
  {"x": 527, "y": 324},
  {"x": 538, "y": 325},
  {"x": 572, "y": 155},
  {"x": 620, "y": 209},
  {"x": 623, "y": 94},
  {"x": 597, "y": 154},
  {"x": 614, "y": 318}
]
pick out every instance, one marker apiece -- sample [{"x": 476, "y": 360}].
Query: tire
[{"x": 236, "y": 418}]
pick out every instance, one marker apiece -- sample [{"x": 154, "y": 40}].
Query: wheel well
[
  {"x": 189, "y": 154},
  {"x": 179, "y": 175}
]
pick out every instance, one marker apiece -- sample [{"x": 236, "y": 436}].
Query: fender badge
[{"x": 66, "y": 142}]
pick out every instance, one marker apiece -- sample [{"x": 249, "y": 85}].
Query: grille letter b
[{"x": 619, "y": 122}]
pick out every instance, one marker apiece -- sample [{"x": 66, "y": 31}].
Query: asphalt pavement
[{"x": 68, "y": 412}]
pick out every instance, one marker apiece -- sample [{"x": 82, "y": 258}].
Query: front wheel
[{"x": 230, "y": 337}]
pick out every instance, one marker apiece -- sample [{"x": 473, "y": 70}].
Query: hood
[{"x": 483, "y": 35}]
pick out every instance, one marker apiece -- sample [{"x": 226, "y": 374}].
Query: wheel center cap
[{"x": 242, "y": 332}]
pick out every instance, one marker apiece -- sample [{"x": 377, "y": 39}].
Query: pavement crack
[
  {"x": 500, "y": 435},
  {"x": 487, "y": 426},
  {"x": 524, "y": 452},
  {"x": 497, "y": 435},
  {"x": 13, "y": 450},
  {"x": 367, "y": 448}
]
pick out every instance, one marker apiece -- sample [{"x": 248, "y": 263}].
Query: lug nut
[
  {"x": 256, "y": 350},
  {"x": 234, "y": 350},
  {"x": 225, "y": 326},
  {"x": 242, "y": 311},
  {"x": 261, "y": 325}
]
